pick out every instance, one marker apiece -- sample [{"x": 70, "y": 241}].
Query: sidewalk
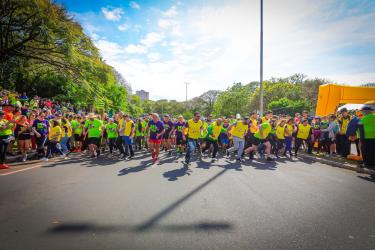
[
  {"x": 337, "y": 161},
  {"x": 18, "y": 157}
]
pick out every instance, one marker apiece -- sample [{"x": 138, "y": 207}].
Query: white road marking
[{"x": 21, "y": 170}]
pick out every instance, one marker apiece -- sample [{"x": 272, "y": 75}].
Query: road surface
[{"x": 105, "y": 203}]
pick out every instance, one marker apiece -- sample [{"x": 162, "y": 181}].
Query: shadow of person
[
  {"x": 174, "y": 174},
  {"x": 136, "y": 169},
  {"x": 204, "y": 165},
  {"x": 262, "y": 165},
  {"x": 235, "y": 165},
  {"x": 370, "y": 178}
]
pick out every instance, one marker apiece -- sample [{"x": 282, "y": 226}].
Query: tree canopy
[{"x": 45, "y": 52}]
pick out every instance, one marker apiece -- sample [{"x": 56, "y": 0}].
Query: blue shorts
[
  {"x": 225, "y": 141},
  {"x": 127, "y": 140}
]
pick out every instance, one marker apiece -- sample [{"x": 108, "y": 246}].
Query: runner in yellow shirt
[{"x": 194, "y": 129}]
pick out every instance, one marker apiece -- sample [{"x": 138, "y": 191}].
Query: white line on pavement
[{"x": 20, "y": 170}]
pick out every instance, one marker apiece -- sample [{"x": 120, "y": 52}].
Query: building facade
[{"x": 143, "y": 95}]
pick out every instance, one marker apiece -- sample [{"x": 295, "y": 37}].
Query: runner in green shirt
[
  {"x": 93, "y": 131},
  {"x": 112, "y": 134}
]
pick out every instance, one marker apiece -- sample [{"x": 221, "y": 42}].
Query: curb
[
  {"x": 339, "y": 164},
  {"x": 18, "y": 158}
]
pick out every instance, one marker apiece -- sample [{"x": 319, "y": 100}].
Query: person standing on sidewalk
[
  {"x": 41, "y": 125},
  {"x": 343, "y": 143},
  {"x": 367, "y": 136},
  {"x": 5, "y": 137},
  {"x": 331, "y": 134}
]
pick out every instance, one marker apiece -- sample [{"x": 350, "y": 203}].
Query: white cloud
[
  {"x": 123, "y": 27},
  {"x": 218, "y": 45},
  {"x": 109, "y": 50},
  {"x": 154, "y": 56},
  {"x": 171, "y": 12},
  {"x": 164, "y": 23},
  {"x": 135, "y": 49},
  {"x": 114, "y": 14},
  {"x": 134, "y": 5},
  {"x": 152, "y": 38}
]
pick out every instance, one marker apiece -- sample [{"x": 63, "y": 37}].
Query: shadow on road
[
  {"x": 370, "y": 178},
  {"x": 80, "y": 228},
  {"x": 151, "y": 223},
  {"x": 143, "y": 166},
  {"x": 174, "y": 174}
]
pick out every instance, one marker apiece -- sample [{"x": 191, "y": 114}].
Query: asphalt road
[{"x": 110, "y": 204}]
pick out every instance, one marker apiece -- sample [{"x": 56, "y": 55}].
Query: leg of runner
[
  {"x": 152, "y": 150},
  {"x": 236, "y": 145},
  {"x": 216, "y": 148},
  {"x": 241, "y": 145},
  {"x": 3, "y": 152},
  {"x": 268, "y": 150},
  {"x": 191, "y": 144},
  {"x": 157, "y": 150}
]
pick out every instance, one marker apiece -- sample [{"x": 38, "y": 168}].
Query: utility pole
[
  {"x": 186, "y": 103},
  {"x": 261, "y": 60}
]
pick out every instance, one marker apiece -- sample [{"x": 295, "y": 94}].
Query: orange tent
[{"x": 330, "y": 96}]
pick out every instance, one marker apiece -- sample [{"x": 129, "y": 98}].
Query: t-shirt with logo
[
  {"x": 94, "y": 128},
  {"x": 111, "y": 129},
  {"x": 194, "y": 128},
  {"x": 179, "y": 129},
  {"x": 168, "y": 126},
  {"x": 41, "y": 126},
  {"x": 266, "y": 129},
  {"x": 155, "y": 128}
]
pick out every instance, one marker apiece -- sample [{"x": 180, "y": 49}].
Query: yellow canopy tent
[{"x": 330, "y": 96}]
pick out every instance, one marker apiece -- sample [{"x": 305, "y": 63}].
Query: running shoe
[{"x": 4, "y": 166}]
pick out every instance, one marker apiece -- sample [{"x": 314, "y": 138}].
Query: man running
[
  {"x": 93, "y": 131},
  {"x": 128, "y": 135},
  {"x": 112, "y": 134},
  {"x": 214, "y": 131},
  {"x": 179, "y": 131},
  {"x": 194, "y": 129},
  {"x": 238, "y": 131},
  {"x": 155, "y": 128},
  {"x": 168, "y": 126},
  {"x": 261, "y": 137}
]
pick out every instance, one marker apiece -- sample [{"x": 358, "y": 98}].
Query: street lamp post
[
  {"x": 261, "y": 59},
  {"x": 186, "y": 103}
]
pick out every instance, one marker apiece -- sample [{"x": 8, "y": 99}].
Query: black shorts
[
  {"x": 94, "y": 140},
  {"x": 23, "y": 137},
  {"x": 77, "y": 137},
  {"x": 166, "y": 135},
  {"x": 180, "y": 141},
  {"x": 258, "y": 141}
]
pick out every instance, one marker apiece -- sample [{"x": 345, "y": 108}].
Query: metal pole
[
  {"x": 261, "y": 59},
  {"x": 186, "y": 101}
]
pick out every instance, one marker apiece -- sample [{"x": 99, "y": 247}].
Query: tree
[
  {"x": 234, "y": 100},
  {"x": 209, "y": 99},
  {"x": 287, "y": 106}
]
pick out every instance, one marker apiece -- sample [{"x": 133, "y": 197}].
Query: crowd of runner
[{"x": 58, "y": 129}]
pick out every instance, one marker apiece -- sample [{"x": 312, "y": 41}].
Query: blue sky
[{"x": 159, "y": 45}]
